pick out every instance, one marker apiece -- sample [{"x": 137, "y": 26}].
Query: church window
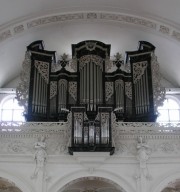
[
  {"x": 11, "y": 111},
  {"x": 170, "y": 111}
]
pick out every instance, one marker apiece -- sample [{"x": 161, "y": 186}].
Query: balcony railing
[{"x": 9, "y": 126}]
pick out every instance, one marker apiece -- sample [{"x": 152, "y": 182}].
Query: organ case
[{"x": 91, "y": 94}]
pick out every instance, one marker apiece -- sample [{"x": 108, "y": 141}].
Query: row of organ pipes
[
  {"x": 39, "y": 100},
  {"x": 91, "y": 91}
]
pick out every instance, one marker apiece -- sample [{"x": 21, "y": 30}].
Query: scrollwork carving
[
  {"x": 22, "y": 91},
  {"x": 138, "y": 70},
  {"x": 128, "y": 89},
  {"x": 90, "y": 58},
  {"x": 90, "y": 45},
  {"x": 53, "y": 89},
  {"x": 73, "y": 90},
  {"x": 43, "y": 69},
  {"x": 167, "y": 147},
  {"x": 109, "y": 89},
  {"x": 16, "y": 146}
]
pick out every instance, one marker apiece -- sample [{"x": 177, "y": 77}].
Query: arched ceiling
[{"x": 121, "y": 23}]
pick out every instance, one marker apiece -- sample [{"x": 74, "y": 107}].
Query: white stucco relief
[
  {"x": 145, "y": 152},
  {"x": 123, "y": 18}
]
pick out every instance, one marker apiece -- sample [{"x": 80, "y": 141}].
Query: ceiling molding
[{"x": 126, "y": 19}]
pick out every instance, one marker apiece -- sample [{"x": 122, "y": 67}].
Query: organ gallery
[{"x": 96, "y": 91}]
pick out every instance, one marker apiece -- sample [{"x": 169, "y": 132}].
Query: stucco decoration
[
  {"x": 53, "y": 19},
  {"x": 17, "y": 147},
  {"x": 18, "y": 29},
  {"x": 164, "y": 29},
  {"x": 149, "y": 23},
  {"x": 5, "y": 35},
  {"x": 19, "y": 140},
  {"x": 22, "y": 91},
  {"x": 158, "y": 90}
]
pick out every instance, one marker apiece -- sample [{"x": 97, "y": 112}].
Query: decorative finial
[
  {"x": 118, "y": 56},
  {"x": 64, "y": 57},
  {"x": 118, "y": 60},
  {"x": 64, "y": 60}
]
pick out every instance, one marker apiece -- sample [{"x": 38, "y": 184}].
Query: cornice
[{"x": 120, "y": 18}]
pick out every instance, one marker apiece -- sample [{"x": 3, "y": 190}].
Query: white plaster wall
[{"x": 17, "y": 162}]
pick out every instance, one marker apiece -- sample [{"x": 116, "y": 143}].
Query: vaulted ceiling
[{"x": 121, "y": 23}]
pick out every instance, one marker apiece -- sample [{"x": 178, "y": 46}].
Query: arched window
[
  {"x": 170, "y": 111},
  {"x": 11, "y": 111}
]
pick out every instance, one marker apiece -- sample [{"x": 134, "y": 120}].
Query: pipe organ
[{"x": 91, "y": 94}]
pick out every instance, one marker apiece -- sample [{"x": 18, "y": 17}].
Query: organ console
[{"x": 90, "y": 94}]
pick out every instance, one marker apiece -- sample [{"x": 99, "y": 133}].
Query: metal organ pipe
[
  {"x": 34, "y": 93},
  {"x": 62, "y": 92},
  {"x": 37, "y": 93},
  {"x": 137, "y": 98},
  {"x": 40, "y": 92},
  {"x": 88, "y": 89},
  {"x": 119, "y": 90},
  {"x": 44, "y": 97},
  {"x": 39, "y": 97},
  {"x": 147, "y": 91},
  {"x": 91, "y": 85},
  {"x": 98, "y": 85},
  {"x": 142, "y": 94},
  {"x": 95, "y": 86},
  {"x": 100, "y": 89},
  {"x": 81, "y": 85}
]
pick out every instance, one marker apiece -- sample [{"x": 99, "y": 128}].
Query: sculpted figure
[
  {"x": 40, "y": 155},
  {"x": 143, "y": 152}
]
